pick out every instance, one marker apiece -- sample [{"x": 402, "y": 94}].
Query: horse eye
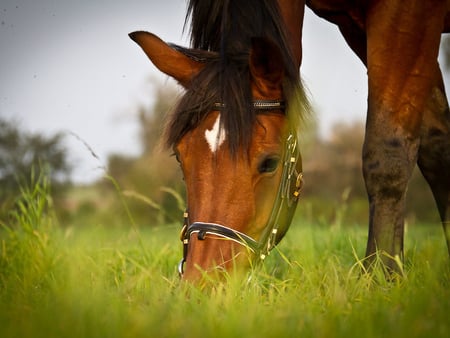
[
  {"x": 177, "y": 156},
  {"x": 268, "y": 165}
]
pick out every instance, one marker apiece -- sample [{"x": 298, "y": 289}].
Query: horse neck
[{"x": 292, "y": 12}]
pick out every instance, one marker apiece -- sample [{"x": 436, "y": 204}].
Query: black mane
[{"x": 223, "y": 30}]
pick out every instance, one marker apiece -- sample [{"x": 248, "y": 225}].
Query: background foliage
[{"x": 25, "y": 156}]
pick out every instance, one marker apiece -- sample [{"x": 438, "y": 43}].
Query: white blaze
[{"x": 215, "y": 136}]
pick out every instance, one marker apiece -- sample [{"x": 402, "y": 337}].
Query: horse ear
[
  {"x": 266, "y": 65},
  {"x": 166, "y": 59}
]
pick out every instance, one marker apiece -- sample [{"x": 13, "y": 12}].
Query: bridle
[{"x": 282, "y": 211}]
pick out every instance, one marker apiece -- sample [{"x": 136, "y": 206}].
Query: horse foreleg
[
  {"x": 402, "y": 49},
  {"x": 389, "y": 156},
  {"x": 434, "y": 151}
]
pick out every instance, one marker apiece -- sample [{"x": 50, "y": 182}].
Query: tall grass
[{"x": 112, "y": 282}]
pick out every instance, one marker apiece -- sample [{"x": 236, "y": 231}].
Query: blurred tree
[
  {"x": 335, "y": 162},
  {"x": 120, "y": 165},
  {"x": 334, "y": 181},
  {"x": 152, "y": 180},
  {"x": 25, "y": 154},
  {"x": 152, "y": 120}
]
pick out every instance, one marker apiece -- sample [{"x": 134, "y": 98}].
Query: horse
[
  {"x": 408, "y": 118},
  {"x": 231, "y": 178},
  {"x": 235, "y": 135}
]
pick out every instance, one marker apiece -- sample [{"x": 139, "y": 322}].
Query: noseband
[{"x": 282, "y": 211}]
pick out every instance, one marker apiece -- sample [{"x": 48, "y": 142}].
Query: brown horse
[
  {"x": 236, "y": 140},
  {"x": 408, "y": 119}
]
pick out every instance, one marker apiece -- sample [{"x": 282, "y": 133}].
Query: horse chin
[{"x": 215, "y": 260}]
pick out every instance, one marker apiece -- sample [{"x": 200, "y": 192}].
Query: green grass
[{"x": 113, "y": 282}]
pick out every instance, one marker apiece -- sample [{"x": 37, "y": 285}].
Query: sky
[{"x": 69, "y": 66}]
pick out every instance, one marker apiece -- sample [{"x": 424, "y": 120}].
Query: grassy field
[{"x": 96, "y": 281}]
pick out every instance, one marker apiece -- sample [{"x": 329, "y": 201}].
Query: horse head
[{"x": 239, "y": 158}]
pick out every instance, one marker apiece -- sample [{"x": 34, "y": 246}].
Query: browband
[{"x": 258, "y": 105}]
